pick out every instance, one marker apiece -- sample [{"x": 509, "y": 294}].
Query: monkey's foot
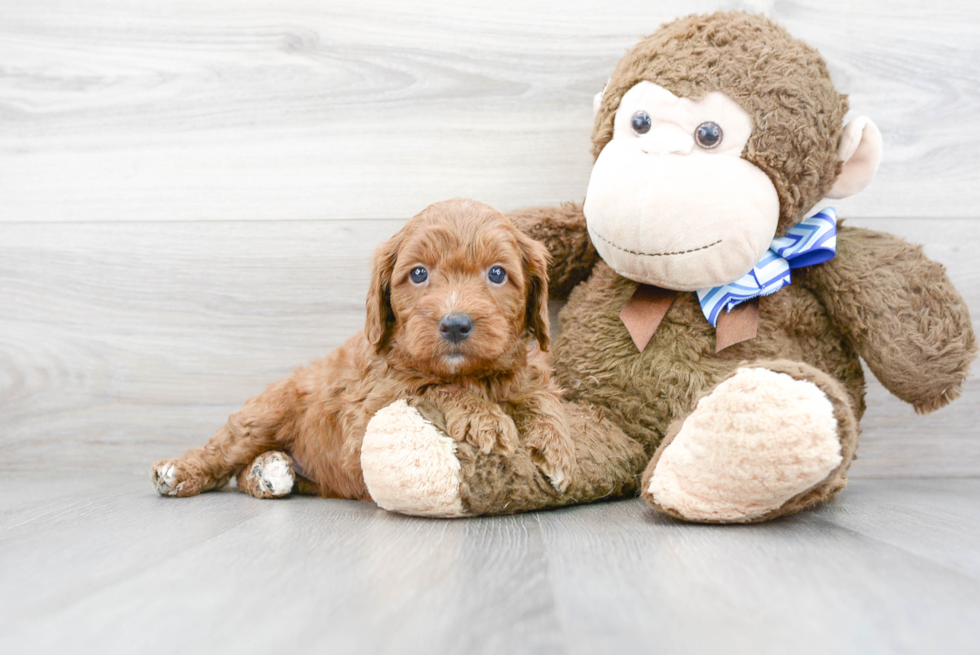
[
  {"x": 763, "y": 443},
  {"x": 270, "y": 475},
  {"x": 410, "y": 465}
]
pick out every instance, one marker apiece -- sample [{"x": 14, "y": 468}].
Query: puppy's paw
[
  {"x": 488, "y": 428},
  {"x": 270, "y": 475},
  {"x": 552, "y": 451},
  {"x": 174, "y": 477}
]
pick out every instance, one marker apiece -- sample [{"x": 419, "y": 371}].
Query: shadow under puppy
[{"x": 457, "y": 298}]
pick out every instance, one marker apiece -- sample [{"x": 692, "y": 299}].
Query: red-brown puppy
[{"x": 457, "y": 297}]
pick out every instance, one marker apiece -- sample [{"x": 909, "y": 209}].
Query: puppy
[{"x": 457, "y": 297}]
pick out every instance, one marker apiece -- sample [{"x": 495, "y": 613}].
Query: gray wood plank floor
[{"x": 98, "y": 563}]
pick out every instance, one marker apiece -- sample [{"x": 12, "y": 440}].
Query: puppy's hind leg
[
  {"x": 262, "y": 425},
  {"x": 270, "y": 475},
  {"x": 273, "y": 474}
]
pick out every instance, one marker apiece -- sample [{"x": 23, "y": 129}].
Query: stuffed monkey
[{"x": 713, "y": 315}]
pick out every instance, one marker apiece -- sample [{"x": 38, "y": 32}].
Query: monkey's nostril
[{"x": 455, "y": 327}]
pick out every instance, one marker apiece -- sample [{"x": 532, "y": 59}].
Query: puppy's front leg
[
  {"x": 473, "y": 419},
  {"x": 540, "y": 420}
]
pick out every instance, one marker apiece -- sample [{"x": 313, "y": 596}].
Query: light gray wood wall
[{"x": 190, "y": 190}]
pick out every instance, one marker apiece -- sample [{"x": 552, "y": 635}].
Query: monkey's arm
[
  {"x": 900, "y": 312},
  {"x": 562, "y": 230}
]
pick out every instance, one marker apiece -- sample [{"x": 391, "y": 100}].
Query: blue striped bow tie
[{"x": 812, "y": 241}]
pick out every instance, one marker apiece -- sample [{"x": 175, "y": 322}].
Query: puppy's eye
[
  {"x": 418, "y": 275},
  {"x": 708, "y": 135},
  {"x": 641, "y": 122},
  {"x": 497, "y": 275}
]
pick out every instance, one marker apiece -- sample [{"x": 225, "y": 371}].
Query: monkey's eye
[
  {"x": 708, "y": 135},
  {"x": 418, "y": 275},
  {"x": 641, "y": 122},
  {"x": 497, "y": 275}
]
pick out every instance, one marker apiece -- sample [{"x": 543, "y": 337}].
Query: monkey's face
[{"x": 671, "y": 202}]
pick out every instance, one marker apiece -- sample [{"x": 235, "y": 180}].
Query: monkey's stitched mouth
[{"x": 655, "y": 254}]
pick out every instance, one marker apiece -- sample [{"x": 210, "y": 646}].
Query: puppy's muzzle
[{"x": 455, "y": 328}]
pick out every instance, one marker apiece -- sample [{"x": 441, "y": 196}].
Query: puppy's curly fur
[{"x": 492, "y": 388}]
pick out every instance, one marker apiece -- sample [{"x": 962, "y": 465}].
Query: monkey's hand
[{"x": 900, "y": 312}]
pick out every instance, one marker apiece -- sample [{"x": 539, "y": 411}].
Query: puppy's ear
[
  {"x": 380, "y": 316},
  {"x": 534, "y": 257}
]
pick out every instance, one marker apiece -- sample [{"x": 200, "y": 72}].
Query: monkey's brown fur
[
  {"x": 499, "y": 384},
  {"x": 879, "y": 299}
]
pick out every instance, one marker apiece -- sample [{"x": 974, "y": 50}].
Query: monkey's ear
[
  {"x": 860, "y": 150},
  {"x": 534, "y": 258},
  {"x": 380, "y": 316},
  {"x": 597, "y": 99}
]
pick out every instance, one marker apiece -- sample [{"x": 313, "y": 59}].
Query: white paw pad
[
  {"x": 756, "y": 441},
  {"x": 559, "y": 481},
  {"x": 164, "y": 478},
  {"x": 409, "y": 465},
  {"x": 272, "y": 475}
]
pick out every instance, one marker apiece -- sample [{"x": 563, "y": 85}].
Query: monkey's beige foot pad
[
  {"x": 758, "y": 440},
  {"x": 409, "y": 465}
]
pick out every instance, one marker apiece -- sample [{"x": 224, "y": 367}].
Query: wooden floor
[{"x": 101, "y": 564}]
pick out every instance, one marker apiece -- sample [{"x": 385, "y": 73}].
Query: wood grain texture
[
  {"x": 121, "y": 343},
  {"x": 805, "y": 584},
  {"x": 120, "y": 569},
  {"x": 106, "y": 566},
  {"x": 256, "y": 110},
  {"x": 121, "y": 337}
]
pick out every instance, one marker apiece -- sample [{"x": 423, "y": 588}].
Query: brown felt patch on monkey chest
[
  {"x": 597, "y": 361},
  {"x": 649, "y": 304}
]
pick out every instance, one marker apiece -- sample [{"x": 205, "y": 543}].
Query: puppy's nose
[{"x": 455, "y": 327}]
